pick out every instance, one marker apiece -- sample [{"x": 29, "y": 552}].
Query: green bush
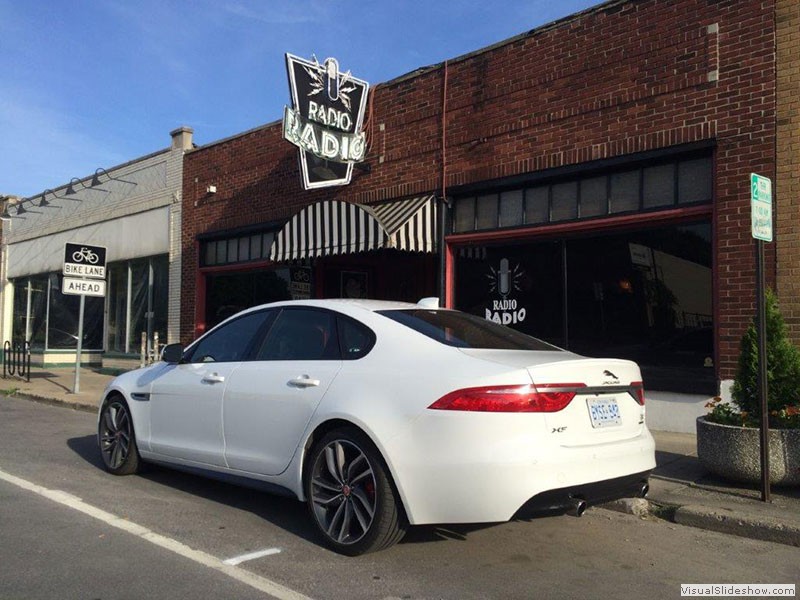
[{"x": 783, "y": 372}]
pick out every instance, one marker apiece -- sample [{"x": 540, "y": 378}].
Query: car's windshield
[{"x": 463, "y": 330}]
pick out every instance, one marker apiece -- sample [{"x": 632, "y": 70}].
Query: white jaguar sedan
[{"x": 382, "y": 415}]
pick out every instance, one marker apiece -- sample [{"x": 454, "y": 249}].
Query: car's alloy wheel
[
  {"x": 117, "y": 438},
  {"x": 351, "y": 496}
]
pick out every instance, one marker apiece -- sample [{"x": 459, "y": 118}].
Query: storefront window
[
  {"x": 516, "y": 285},
  {"x": 63, "y": 316},
  {"x": 140, "y": 291},
  {"x": 227, "y": 294},
  {"x": 237, "y": 249},
  {"x": 138, "y": 297},
  {"x": 117, "y": 306},
  {"x": 30, "y": 310},
  {"x": 50, "y": 317},
  {"x": 644, "y": 295},
  {"x": 672, "y": 182}
]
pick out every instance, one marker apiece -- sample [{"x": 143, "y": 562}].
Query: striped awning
[{"x": 334, "y": 227}]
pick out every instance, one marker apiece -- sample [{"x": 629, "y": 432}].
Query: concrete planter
[{"x": 733, "y": 453}]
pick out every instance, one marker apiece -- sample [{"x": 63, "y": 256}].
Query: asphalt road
[{"x": 70, "y": 530}]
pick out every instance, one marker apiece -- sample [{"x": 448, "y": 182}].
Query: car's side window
[
  {"x": 301, "y": 334},
  {"x": 232, "y": 341},
  {"x": 355, "y": 339}
]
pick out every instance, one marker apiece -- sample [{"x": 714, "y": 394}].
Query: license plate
[{"x": 604, "y": 412}]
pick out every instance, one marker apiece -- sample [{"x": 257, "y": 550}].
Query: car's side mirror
[{"x": 172, "y": 353}]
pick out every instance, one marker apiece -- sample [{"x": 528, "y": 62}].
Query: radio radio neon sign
[{"x": 325, "y": 120}]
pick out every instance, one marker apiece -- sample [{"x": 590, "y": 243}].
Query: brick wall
[
  {"x": 787, "y": 188},
  {"x": 625, "y": 77}
]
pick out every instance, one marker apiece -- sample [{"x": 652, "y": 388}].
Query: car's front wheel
[
  {"x": 117, "y": 438},
  {"x": 351, "y": 496}
]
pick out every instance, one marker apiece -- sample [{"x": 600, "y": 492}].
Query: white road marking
[
  {"x": 237, "y": 560},
  {"x": 262, "y": 584}
]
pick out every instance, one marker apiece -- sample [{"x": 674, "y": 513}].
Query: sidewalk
[{"x": 680, "y": 488}]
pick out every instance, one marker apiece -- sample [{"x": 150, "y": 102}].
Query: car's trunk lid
[{"x": 604, "y": 409}]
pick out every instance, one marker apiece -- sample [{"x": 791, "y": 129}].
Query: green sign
[{"x": 761, "y": 207}]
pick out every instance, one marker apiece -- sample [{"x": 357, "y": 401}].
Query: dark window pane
[
  {"x": 117, "y": 306},
  {"x": 210, "y": 253},
  {"x": 537, "y": 204},
  {"x": 593, "y": 197},
  {"x": 487, "y": 211},
  {"x": 694, "y": 180},
  {"x": 160, "y": 296},
  {"x": 244, "y": 248},
  {"x": 356, "y": 339},
  {"x": 255, "y": 247},
  {"x": 230, "y": 342},
  {"x": 565, "y": 201},
  {"x": 233, "y": 251},
  {"x": 465, "y": 215},
  {"x": 230, "y": 293},
  {"x": 624, "y": 191},
  {"x": 33, "y": 329},
  {"x": 268, "y": 238},
  {"x": 511, "y": 208},
  {"x": 646, "y": 295},
  {"x": 222, "y": 252},
  {"x": 463, "y": 330},
  {"x": 301, "y": 334},
  {"x": 62, "y": 332},
  {"x": 659, "y": 185},
  {"x": 140, "y": 282},
  {"x": 518, "y": 286}
]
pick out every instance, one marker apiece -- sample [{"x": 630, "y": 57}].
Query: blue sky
[{"x": 95, "y": 83}]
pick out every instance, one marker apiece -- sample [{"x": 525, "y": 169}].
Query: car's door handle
[
  {"x": 304, "y": 381},
  {"x": 213, "y": 378}
]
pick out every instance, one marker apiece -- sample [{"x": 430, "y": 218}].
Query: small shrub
[{"x": 783, "y": 374}]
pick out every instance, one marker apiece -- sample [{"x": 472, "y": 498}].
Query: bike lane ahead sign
[
  {"x": 81, "y": 260},
  {"x": 84, "y": 270}
]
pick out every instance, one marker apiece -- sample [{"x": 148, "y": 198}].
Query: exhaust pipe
[
  {"x": 577, "y": 506},
  {"x": 643, "y": 489}
]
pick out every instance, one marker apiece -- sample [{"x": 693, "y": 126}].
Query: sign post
[
  {"x": 761, "y": 226},
  {"x": 86, "y": 267}
]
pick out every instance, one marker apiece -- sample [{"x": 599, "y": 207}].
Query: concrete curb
[
  {"x": 735, "y": 523},
  {"x": 721, "y": 520},
  {"x": 63, "y": 402}
]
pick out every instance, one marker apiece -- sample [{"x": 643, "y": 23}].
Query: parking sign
[{"x": 761, "y": 207}]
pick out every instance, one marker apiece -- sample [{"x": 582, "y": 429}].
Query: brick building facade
[{"x": 633, "y": 124}]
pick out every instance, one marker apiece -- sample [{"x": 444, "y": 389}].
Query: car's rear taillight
[
  {"x": 547, "y": 397},
  {"x": 637, "y": 391}
]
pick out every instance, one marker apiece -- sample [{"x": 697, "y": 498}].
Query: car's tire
[
  {"x": 117, "y": 437},
  {"x": 351, "y": 495}
]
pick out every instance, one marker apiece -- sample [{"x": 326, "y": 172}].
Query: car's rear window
[{"x": 463, "y": 330}]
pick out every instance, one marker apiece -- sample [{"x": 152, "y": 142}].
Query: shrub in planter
[
  {"x": 728, "y": 439},
  {"x": 783, "y": 378}
]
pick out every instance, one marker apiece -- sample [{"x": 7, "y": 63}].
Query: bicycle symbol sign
[{"x": 82, "y": 260}]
